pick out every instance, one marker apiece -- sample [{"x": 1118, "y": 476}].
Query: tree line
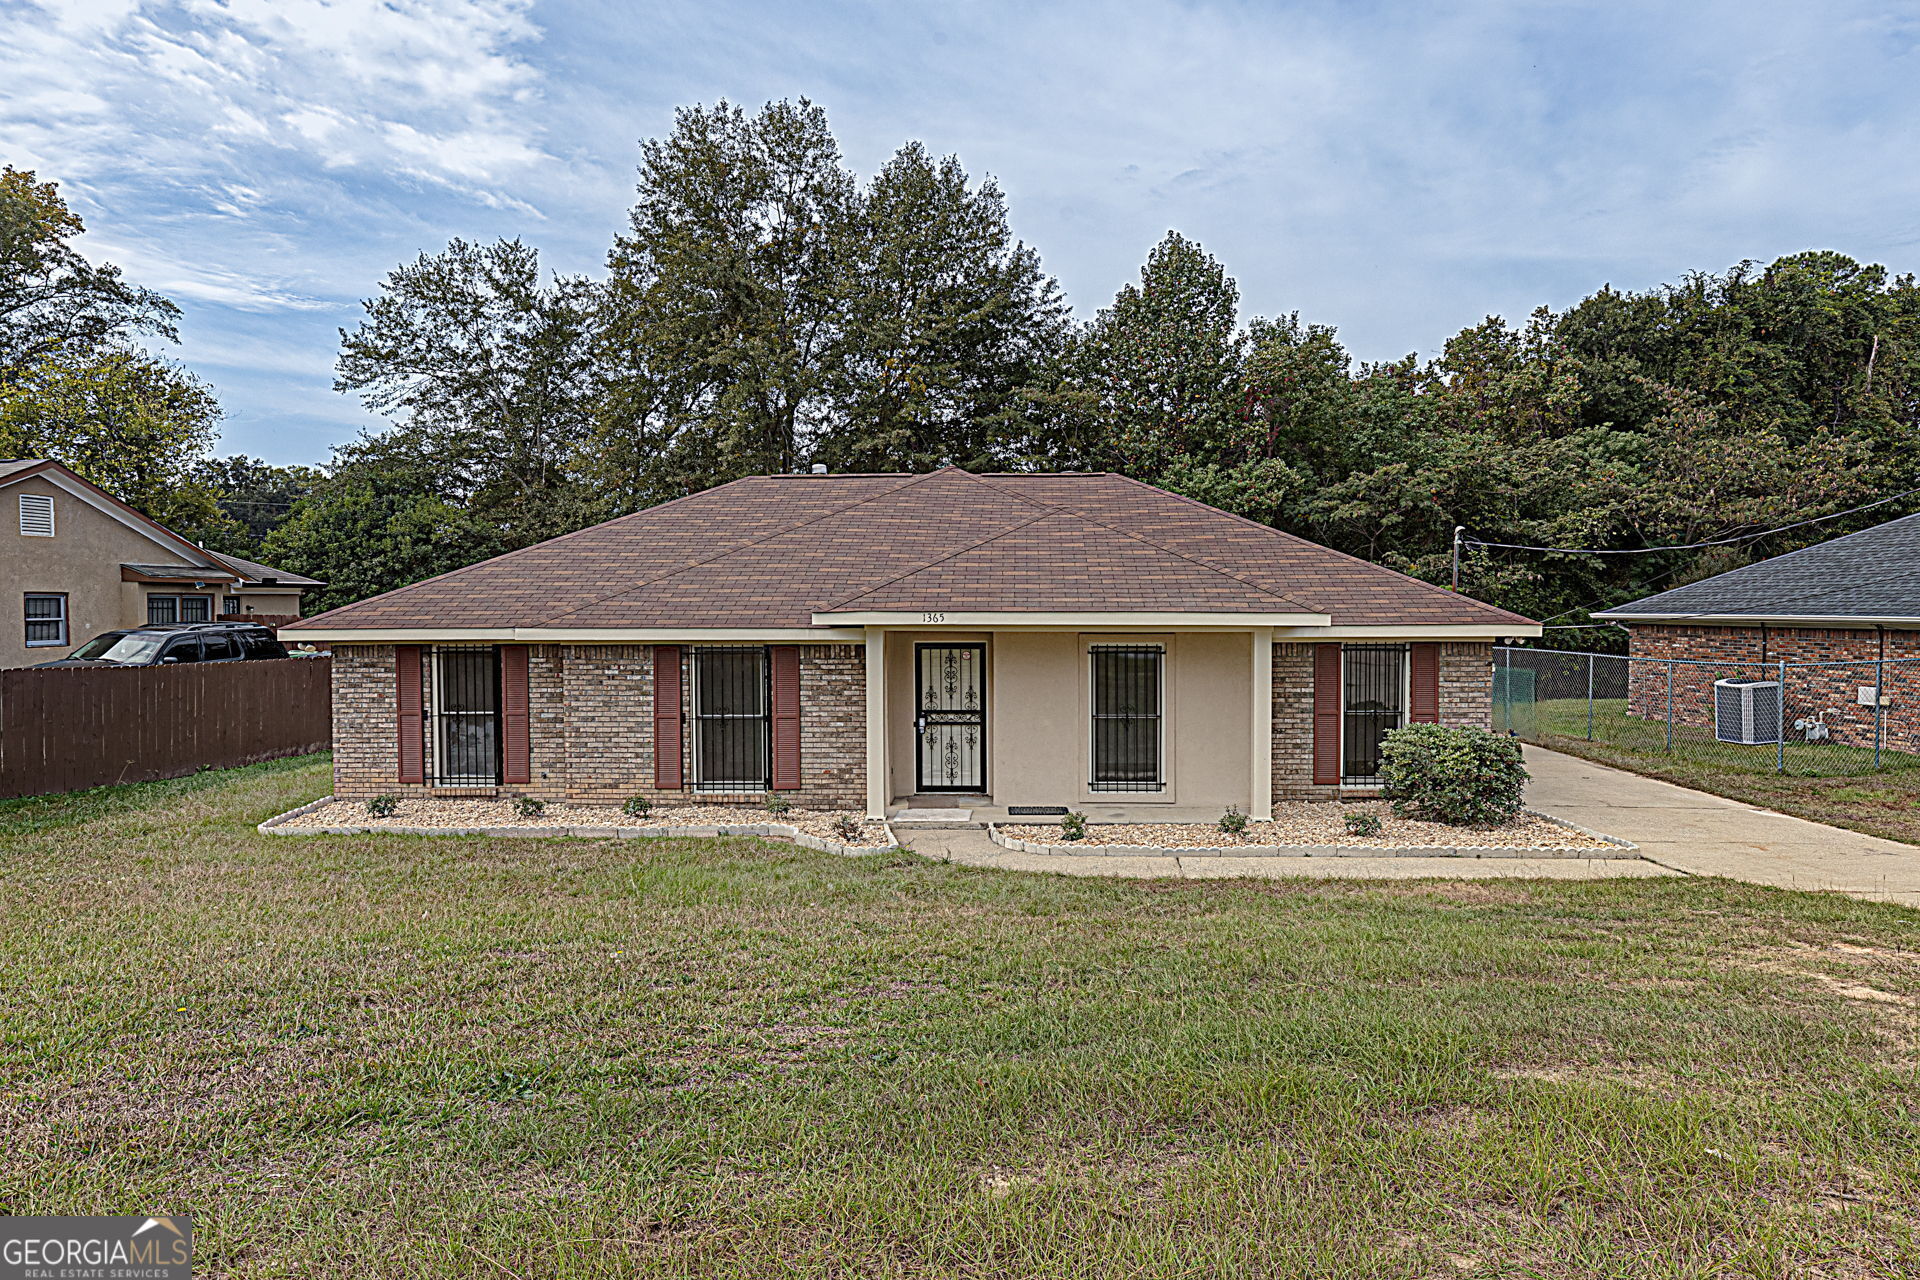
[{"x": 766, "y": 309}]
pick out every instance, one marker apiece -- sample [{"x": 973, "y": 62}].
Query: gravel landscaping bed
[
  {"x": 1320, "y": 824},
  {"x": 473, "y": 815}
]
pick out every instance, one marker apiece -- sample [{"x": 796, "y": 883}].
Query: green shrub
[
  {"x": 528, "y": 807},
  {"x": 779, "y": 804},
  {"x": 1073, "y": 826},
  {"x": 1233, "y": 822},
  {"x": 1465, "y": 777},
  {"x": 637, "y": 806},
  {"x": 1364, "y": 824},
  {"x": 383, "y": 806}
]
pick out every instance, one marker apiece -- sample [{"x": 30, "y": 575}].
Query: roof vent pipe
[{"x": 819, "y": 468}]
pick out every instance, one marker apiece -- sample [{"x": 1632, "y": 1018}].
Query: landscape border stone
[
  {"x": 276, "y": 826},
  {"x": 1616, "y": 848}
]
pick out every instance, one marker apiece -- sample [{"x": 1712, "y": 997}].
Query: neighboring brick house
[
  {"x": 78, "y": 562},
  {"x": 859, "y": 641},
  {"x": 1851, "y": 604}
]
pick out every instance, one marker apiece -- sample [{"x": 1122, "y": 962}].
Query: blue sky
[{"x": 1396, "y": 170}]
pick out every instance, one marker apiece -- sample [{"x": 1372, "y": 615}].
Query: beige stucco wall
[
  {"x": 1037, "y": 717},
  {"x": 83, "y": 559}
]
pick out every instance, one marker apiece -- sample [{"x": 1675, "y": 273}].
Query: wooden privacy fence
[{"x": 68, "y": 728}]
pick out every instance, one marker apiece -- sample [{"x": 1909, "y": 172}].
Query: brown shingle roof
[{"x": 771, "y": 551}]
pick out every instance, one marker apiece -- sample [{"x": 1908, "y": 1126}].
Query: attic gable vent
[{"x": 36, "y": 515}]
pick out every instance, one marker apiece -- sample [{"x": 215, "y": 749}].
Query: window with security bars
[
  {"x": 731, "y": 741},
  {"x": 46, "y": 619},
  {"x": 166, "y": 609},
  {"x": 1374, "y": 678},
  {"x": 1128, "y": 682},
  {"x": 464, "y": 708}
]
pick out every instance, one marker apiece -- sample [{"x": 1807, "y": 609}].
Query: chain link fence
[{"x": 1815, "y": 719}]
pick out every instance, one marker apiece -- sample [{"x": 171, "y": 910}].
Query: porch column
[
  {"x": 1261, "y": 783},
  {"x": 877, "y": 783}
]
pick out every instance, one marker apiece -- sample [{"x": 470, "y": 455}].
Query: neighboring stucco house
[
  {"x": 79, "y": 561},
  {"x": 860, "y": 640},
  {"x": 1853, "y": 602}
]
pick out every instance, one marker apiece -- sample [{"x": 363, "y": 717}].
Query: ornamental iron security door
[
  {"x": 1376, "y": 705},
  {"x": 463, "y": 710},
  {"x": 950, "y": 722}
]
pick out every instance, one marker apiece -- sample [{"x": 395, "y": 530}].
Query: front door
[{"x": 950, "y": 717}]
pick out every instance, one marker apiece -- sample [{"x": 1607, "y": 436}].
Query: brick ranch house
[
  {"x": 863, "y": 641},
  {"x": 1853, "y": 602}
]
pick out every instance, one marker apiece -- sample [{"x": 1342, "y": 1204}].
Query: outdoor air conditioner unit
[{"x": 1746, "y": 711}]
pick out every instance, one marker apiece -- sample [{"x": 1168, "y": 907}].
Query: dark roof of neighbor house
[
  {"x": 17, "y": 468},
  {"x": 1865, "y": 576},
  {"x": 257, "y": 573},
  {"x": 776, "y": 549},
  {"x": 771, "y": 551}
]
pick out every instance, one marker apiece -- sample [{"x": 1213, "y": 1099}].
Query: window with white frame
[
  {"x": 1374, "y": 680},
  {"x": 731, "y": 738},
  {"x": 46, "y": 619},
  {"x": 1129, "y": 705},
  {"x": 164, "y": 609},
  {"x": 36, "y": 515}
]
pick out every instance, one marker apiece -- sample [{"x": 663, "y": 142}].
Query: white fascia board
[
  {"x": 575, "y": 635},
  {"x": 1755, "y": 620},
  {"x": 933, "y": 620},
  {"x": 1411, "y": 631}
]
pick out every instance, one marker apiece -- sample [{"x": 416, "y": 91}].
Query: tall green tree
[
  {"x": 487, "y": 366},
  {"x": 255, "y": 494},
  {"x": 53, "y": 302},
  {"x": 382, "y": 518},
  {"x": 946, "y": 320},
  {"x": 129, "y": 421},
  {"x": 725, "y": 293}
]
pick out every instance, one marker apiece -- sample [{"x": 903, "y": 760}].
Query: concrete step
[{"x": 933, "y": 819}]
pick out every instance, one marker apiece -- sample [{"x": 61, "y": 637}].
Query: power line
[{"x": 1689, "y": 546}]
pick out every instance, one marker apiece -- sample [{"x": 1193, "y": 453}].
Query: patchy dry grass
[{"x": 417, "y": 1056}]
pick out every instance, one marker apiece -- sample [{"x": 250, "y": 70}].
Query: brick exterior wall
[
  {"x": 590, "y": 726},
  {"x": 365, "y": 754},
  {"x": 1466, "y": 685},
  {"x": 1466, "y": 700},
  {"x": 1829, "y": 693}
]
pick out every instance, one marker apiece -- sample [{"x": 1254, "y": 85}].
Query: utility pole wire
[{"x": 1685, "y": 546}]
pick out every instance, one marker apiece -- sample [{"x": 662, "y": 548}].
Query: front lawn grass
[
  {"x": 391, "y": 1055},
  {"x": 1825, "y": 781}
]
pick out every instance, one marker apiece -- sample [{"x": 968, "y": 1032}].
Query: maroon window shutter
[
  {"x": 1327, "y": 714},
  {"x": 516, "y": 747},
  {"x": 1424, "y": 685},
  {"x": 410, "y": 728},
  {"x": 666, "y": 717},
  {"x": 786, "y": 717}
]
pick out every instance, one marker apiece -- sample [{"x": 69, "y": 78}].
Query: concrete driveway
[{"x": 1705, "y": 835}]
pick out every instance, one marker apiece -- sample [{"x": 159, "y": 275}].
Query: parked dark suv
[{"x": 169, "y": 643}]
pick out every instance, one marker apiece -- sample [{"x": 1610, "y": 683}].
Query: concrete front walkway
[
  {"x": 1705, "y": 835},
  {"x": 972, "y": 848}
]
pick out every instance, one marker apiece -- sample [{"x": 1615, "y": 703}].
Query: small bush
[
  {"x": 637, "y": 806},
  {"x": 1233, "y": 822},
  {"x": 528, "y": 807},
  {"x": 1364, "y": 824},
  {"x": 1073, "y": 826},
  {"x": 1464, "y": 777},
  {"x": 383, "y": 806},
  {"x": 779, "y": 804},
  {"x": 846, "y": 829}
]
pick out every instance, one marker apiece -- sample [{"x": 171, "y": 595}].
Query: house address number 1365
[{"x": 933, "y": 617}]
